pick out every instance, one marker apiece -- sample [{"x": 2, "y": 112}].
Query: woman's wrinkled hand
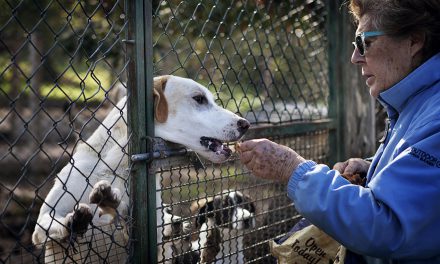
[
  {"x": 352, "y": 166},
  {"x": 269, "y": 160},
  {"x": 354, "y": 170}
]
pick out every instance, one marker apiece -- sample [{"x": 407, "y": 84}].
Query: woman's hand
[
  {"x": 352, "y": 166},
  {"x": 269, "y": 160},
  {"x": 354, "y": 170}
]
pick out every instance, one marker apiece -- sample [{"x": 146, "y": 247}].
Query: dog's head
[
  {"x": 173, "y": 225},
  {"x": 229, "y": 209},
  {"x": 175, "y": 237},
  {"x": 186, "y": 113}
]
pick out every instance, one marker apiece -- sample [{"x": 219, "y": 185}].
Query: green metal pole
[
  {"x": 141, "y": 120},
  {"x": 151, "y": 177},
  {"x": 336, "y": 89}
]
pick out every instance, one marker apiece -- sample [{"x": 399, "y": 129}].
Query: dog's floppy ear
[
  {"x": 160, "y": 102},
  {"x": 201, "y": 209}
]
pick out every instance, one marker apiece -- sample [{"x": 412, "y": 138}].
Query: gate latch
[{"x": 163, "y": 149}]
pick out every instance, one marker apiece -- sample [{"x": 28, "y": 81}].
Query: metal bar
[
  {"x": 290, "y": 129},
  {"x": 150, "y": 209},
  {"x": 162, "y": 154},
  {"x": 139, "y": 81},
  {"x": 336, "y": 89},
  {"x": 171, "y": 152}
]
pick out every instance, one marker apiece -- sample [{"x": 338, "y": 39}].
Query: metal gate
[
  {"x": 265, "y": 60},
  {"x": 66, "y": 64}
]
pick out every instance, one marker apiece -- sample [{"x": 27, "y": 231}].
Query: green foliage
[
  {"x": 91, "y": 86},
  {"x": 249, "y": 55},
  {"x": 60, "y": 50},
  {"x": 72, "y": 85}
]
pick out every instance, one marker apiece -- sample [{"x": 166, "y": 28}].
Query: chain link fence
[
  {"x": 267, "y": 61},
  {"x": 64, "y": 68}
]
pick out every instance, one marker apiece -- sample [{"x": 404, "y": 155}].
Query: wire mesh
[
  {"x": 264, "y": 59},
  {"x": 62, "y": 69},
  {"x": 267, "y": 61},
  {"x": 184, "y": 188}
]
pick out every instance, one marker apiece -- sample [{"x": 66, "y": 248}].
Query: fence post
[
  {"x": 350, "y": 103},
  {"x": 336, "y": 100},
  {"x": 141, "y": 120}
]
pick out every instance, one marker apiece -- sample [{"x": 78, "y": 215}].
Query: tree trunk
[
  {"x": 36, "y": 78},
  {"x": 352, "y": 107},
  {"x": 360, "y": 131}
]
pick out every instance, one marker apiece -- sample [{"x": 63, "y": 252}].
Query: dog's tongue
[{"x": 216, "y": 146}]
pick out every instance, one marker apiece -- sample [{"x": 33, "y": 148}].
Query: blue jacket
[{"x": 396, "y": 218}]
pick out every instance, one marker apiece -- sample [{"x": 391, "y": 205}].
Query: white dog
[{"x": 90, "y": 190}]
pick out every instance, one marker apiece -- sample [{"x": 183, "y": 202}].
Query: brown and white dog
[
  {"x": 91, "y": 191},
  {"x": 221, "y": 221}
]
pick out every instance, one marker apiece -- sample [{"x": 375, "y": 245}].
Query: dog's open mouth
[{"x": 216, "y": 146}]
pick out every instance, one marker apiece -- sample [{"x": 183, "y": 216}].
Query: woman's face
[{"x": 387, "y": 60}]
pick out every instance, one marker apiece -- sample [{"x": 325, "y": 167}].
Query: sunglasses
[{"x": 359, "y": 40}]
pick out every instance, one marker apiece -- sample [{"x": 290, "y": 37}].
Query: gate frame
[
  {"x": 141, "y": 119},
  {"x": 141, "y": 128}
]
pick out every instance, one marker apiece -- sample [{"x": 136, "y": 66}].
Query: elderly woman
[{"x": 395, "y": 217}]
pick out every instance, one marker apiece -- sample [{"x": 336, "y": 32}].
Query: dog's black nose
[{"x": 243, "y": 125}]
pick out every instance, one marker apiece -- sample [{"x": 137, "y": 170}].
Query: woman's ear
[
  {"x": 160, "y": 102},
  {"x": 417, "y": 42}
]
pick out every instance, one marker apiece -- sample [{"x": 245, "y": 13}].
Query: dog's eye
[{"x": 200, "y": 99}]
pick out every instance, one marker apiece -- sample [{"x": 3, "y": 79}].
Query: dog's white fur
[
  {"x": 185, "y": 111},
  {"x": 222, "y": 221}
]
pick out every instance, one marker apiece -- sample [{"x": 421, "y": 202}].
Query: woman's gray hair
[{"x": 401, "y": 18}]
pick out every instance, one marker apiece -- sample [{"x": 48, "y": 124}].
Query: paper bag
[{"x": 305, "y": 244}]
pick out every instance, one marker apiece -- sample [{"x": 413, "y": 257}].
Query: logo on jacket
[{"x": 425, "y": 157}]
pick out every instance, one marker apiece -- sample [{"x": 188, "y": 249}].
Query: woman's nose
[{"x": 356, "y": 57}]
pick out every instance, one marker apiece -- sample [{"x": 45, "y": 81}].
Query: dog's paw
[
  {"x": 78, "y": 221},
  {"x": 104, "y": 195},
  {"x": 38, "y": 236}
]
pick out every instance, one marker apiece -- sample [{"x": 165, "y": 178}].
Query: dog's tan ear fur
[
  {"x": 196, "y": 206},
  {"x": 200, "y": 210},
  {"x": 160, "y": 102}
]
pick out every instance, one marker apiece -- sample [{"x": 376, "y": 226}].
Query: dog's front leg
[
  {"x": 63, "y": 215},
  {"x": 56, "y": 225},
  {"x": 78, "y": 221}
]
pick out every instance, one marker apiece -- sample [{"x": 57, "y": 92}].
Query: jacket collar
[{"x": 395, "y": 98}]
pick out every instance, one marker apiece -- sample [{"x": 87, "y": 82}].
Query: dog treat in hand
[{"x": 356, "y": 178}]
